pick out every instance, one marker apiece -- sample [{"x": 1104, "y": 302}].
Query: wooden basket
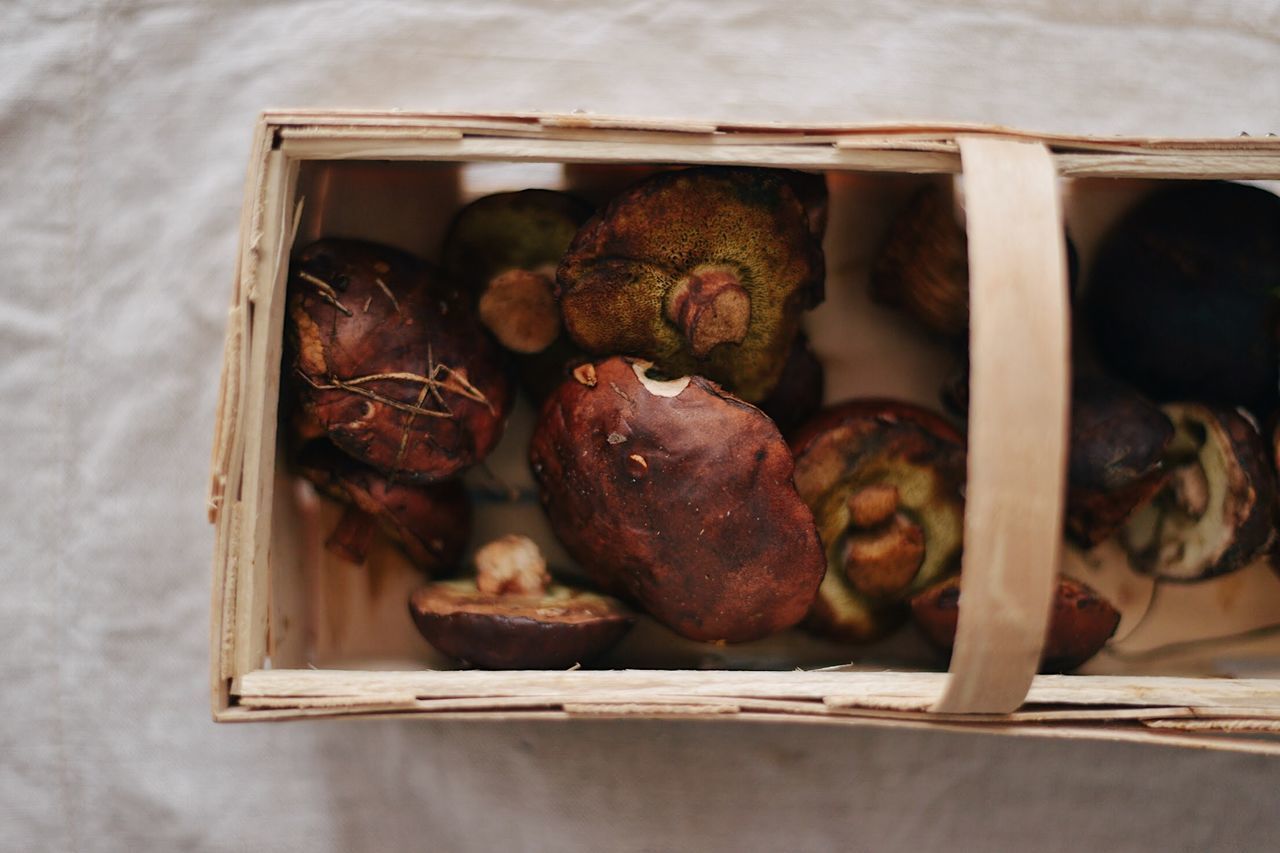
[{"x": 280, "y": 610}]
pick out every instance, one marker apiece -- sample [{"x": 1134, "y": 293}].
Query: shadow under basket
[{"x": 298, "y": 633}]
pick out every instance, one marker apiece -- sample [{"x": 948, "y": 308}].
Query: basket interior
[{"x": 327, "y": 613}]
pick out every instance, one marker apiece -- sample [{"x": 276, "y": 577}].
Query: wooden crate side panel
[{"x": 264, "y": 304}]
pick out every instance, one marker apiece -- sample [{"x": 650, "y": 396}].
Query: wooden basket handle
[{"x": 1018, "y": 408}]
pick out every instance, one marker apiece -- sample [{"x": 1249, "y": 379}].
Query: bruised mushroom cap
[
  {"x": 703, "y": 271},
  {"x": 681, "y": 496},
  {"x": 553, "y": 630},
  {"x": 885, "y": 482},
  {"x": 505, "y": 249},
  {"x": 430, "y": 522},
  {"x": 922, "y": 266},
  {"x": 1183, "y": 295},
  {"x": 1118, "y": 440},
  {"x": 1214, "y": 514},
  {"x": 391, "y": 363},
  {"x": 1081, "y": 623}
]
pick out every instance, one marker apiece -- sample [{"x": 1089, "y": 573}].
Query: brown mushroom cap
[
  {"x": 922, "y": 266},
  {"x": 1118, "y": 442},
  {"x": 493, "y": 631},
  {"x": 682, "y": 496},
  {"x": 1214, "y": 514},
  {"x": 884, "y": 479},
  {"x": 798, "y": 394},
  {"x": 703, "y": 271},
  {"x": 430, "y": 522},
  {"x": 1080, "y": 625},
  {"x": 391, "y": 363}
]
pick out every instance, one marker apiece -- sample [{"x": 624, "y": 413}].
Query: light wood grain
[
  {"x": 1018, "y": 358},
  {"x": 254, "y": 578}
]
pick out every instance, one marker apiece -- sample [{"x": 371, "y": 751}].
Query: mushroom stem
[
  {"x": 1190, "y": 488},
  {"x": 519, "y": 307},
  {"x": 884, "y": 561},
  {"x": 351, "y": 539},
  {"x": 873, "y": 505},
  {"x": 711, "y": 307},
  {"x": 511, "y": 565}
]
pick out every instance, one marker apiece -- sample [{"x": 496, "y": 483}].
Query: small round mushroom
[
  {"x": 1081, "y": 623},
  {"x": 1214, "y": 514},
  {"x": 511, "y": 616},
  {"x": 1118, "y": 442},
  {"x": 703, "y": 271},
  {"x": 1183, "y": 297},
  {"x": 679, "y": 495},
  {"x": 922, "y": 267},
  {"x": 430, "y": 523},
  {"x": 885, "y": 482},
  {"x": 391, "y": 363}
]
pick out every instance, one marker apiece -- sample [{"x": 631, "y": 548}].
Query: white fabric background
[{"x": 124, "y": 130}]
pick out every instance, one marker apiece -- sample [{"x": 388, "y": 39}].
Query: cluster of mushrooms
[{"x": 681, "y": 452}]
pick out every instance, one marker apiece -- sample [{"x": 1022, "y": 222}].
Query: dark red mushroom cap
[
  {"x": 391, "y": 363},
  {"x": 798, "y": 394},
  {"x": 1118, "y": 441},
  {"x": 554, "y": 630},
  {"x": 680, "y": 495},
  {"x": 430, "y": 522},
  {"x": 1081, "y": 623}
]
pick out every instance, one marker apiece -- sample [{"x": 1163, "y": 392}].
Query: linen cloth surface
[{"x": 124, "y": 134}]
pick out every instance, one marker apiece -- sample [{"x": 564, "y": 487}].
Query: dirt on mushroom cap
[
  {"x": 615, "y": 279},
  {"x": 391, "y": 362}
]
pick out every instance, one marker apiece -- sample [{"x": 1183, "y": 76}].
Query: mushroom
[
  {"x": 798, "y": 394},
  {"x": 505, "y": 249},
  {"x": 703, "y": 271},
  {"x": 511, "y": 616},
  {"x": 1183, "y": 295},
  {"x": 1118, "y": 441},
  {"x": 679, "y": 495},
  {"x": 1214, "y": 513},
  {"x": 922, "y": 267},
  {"x": 1081, "y": 623},
  {"x": 429, "y": 522},
  {"x": 391, "y": 363},
  {"x": 885, "y": 482}
]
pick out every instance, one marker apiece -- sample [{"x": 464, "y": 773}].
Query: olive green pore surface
[
  {"x": 918, "y": 488},
  {"x": 515, "y": 230},
  {"x": 614, "y": 281}
]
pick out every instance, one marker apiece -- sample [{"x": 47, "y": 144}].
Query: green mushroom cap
[{"x": 702, "y": 271}]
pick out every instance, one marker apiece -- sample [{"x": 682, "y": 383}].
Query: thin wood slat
[{"x": 1018, "y": 357}]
